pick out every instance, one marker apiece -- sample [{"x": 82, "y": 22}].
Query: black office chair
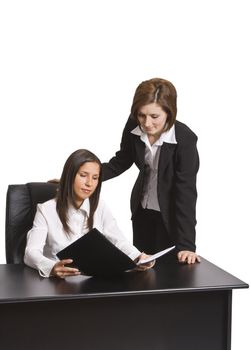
[{"x": 21, "y": 205}]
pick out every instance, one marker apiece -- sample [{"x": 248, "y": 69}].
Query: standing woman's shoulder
[
  {"x": 183, "y": 133},
  {"x": 130, "y": 124}
]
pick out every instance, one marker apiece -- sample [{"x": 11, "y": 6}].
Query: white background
[{"x": 68, "y": 71}]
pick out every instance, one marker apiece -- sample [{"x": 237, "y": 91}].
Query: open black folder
[{"x": 95, "y": 255}]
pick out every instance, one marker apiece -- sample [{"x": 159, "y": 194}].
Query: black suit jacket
[{"x": 177, "y": 170}]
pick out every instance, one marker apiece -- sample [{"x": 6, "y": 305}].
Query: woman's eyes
[
  {"x": 153, "y": 116},
  {"x": 96, "y": 178}
]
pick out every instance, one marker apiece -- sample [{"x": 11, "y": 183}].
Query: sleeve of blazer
[
  {"x": 123, "y": 158},
  {"x": 187, "y": 165}
]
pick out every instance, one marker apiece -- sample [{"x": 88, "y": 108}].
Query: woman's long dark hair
[{"x": 66, "y": 195}]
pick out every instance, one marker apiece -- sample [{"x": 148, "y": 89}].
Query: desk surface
[{"x": 19, "y": 283}]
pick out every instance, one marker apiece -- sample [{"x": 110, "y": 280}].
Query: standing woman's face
[
  {"x": 86, "y": 181},
  {"x": 152, "y": 119}
]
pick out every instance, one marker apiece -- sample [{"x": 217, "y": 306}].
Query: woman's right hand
[
  {"x": 62, "y": 271},
  {"x": 146, "y": 266}
]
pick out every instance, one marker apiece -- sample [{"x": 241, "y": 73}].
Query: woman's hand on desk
[
  {"x": 188, "y": 257},
  {"x": 146, "y": 266},
  {"x": 62, "y": 271}
]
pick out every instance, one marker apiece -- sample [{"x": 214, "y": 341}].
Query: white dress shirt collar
[
  {"x": 85, "y": 208},
  {"x": 167, "y": 136}
]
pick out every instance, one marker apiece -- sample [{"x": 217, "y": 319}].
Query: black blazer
[{"x": 177, "y": 170}]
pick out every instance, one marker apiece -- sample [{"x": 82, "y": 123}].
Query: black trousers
[{"x": 149, "y": 232}]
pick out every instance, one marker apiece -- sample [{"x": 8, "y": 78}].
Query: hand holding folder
[
  {"x": 94, "y": 255},
  {"x": 155, "y": 256}
]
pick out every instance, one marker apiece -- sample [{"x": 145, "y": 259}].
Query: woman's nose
[
  {"x": 88, "y": 182},
  {"x": 147, "y": 122}
]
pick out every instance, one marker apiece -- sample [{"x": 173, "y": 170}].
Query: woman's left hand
[
  {"x": 146, "y": 266},
  {"x": 188, "y": 257}
]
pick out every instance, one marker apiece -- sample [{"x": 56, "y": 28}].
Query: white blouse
[{"x": 47, "y": 236}]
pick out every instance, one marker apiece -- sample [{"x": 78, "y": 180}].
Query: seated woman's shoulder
[
  {"x": 103, "y": 207},
  {"x": 102, "y": 203},
  {"x": 48, "y": 205}
]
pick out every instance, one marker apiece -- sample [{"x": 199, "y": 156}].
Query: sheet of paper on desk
[{"x": 155, "y": 256}]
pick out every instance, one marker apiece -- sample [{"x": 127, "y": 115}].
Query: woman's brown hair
[
  {"x": 158, "y": 91},
  {"x": 66, "y": 195}
]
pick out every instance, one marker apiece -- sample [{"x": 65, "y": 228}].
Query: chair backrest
[{"x": 21, "y": 205}]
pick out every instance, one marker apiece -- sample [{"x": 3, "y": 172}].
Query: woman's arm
[
  {"x": 36, "y": 239},
  {"x": 34, "y": 257},
  {"x": 186, "y": 168},
  {"x": 123, "y": 158},
  {"x": 111, "y": 230}
]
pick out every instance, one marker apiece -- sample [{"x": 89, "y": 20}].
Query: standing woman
[{"x": 163, "y": 199}]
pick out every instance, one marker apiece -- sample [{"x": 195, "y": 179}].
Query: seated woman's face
[{"x": 86, "y": 181}]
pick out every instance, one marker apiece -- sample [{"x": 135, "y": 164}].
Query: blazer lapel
[
  {"x": 140, "y": 152},
  {"x": 166, "y": 154}
]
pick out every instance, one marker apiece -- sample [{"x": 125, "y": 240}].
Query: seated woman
[{"x": 75, "y": 210}]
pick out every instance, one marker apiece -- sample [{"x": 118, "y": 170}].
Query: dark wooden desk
[{"x": 172, "y": 307}]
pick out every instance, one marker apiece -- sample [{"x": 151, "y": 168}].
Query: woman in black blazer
[{"x": 163, "y": 199}]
